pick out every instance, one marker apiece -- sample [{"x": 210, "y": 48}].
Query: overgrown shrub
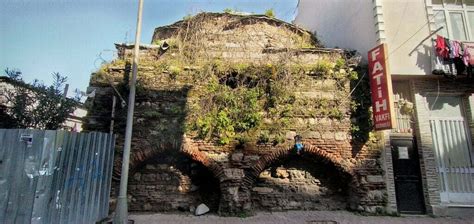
[{"x": 36, "y": 105}]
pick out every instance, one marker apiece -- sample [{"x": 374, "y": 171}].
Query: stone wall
[
  {"x": 243, "y": 38},
  {"x": 248, "y": 175},
  {"x": 300, "y": 184},
  {"x": 172, "y": 183}
]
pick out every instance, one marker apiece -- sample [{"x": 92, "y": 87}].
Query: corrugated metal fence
[{"x": 54, "y": 176}]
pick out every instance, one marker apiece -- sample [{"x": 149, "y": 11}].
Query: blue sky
[{"x": 40, "y": 37}]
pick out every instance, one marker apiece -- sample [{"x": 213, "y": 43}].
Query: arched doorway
[
  {"x": 314, "y": 180},
  {"x": 301, "y": 183},
  {"x": 171, "y": 181}
]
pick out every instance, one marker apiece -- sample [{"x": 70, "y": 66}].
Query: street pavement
[{"x": 300, "y": 217}]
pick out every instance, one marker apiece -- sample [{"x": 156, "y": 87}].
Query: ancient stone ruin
[{"x": 217, "y": 113}]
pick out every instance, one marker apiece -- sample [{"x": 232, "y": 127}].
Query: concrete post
[{"x": 121, "y": 215}]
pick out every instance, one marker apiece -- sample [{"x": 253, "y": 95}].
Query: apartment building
[{"x": 429, "y": 152}]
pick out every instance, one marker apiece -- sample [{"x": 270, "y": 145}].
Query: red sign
[{"x": 381, "y": 89}]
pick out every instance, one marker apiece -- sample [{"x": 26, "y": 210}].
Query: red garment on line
[{"x": 441, "y": 48}]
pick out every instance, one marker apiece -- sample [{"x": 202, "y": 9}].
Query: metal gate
[
  {"x": 453, "y": 153},
  {"x": 54, "y": 176}
]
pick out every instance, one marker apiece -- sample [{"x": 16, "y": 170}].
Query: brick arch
[
  {"x": 281, "y": 153},
  {"x": 141, "y": 155},
  {"x": 195, "y": 154}
]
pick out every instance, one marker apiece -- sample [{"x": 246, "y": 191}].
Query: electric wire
[
  {"x": 409, "y": 38},
  {"x": 400, "y": 22},
  {"x": 404, "y": 42},
  {"x": 103, "y": 61}
]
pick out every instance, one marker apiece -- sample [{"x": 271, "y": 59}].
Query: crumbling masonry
[{"x": 216, "y": 115}]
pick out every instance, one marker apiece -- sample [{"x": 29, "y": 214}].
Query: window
[{"x": 457, "y": 18}]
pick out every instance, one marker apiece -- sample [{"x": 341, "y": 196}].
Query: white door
[{"x": 453, "y": 150}]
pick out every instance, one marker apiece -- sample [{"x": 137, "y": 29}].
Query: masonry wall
[
  {"x": 300, "y": 184},
  {"x": 249, "y": 176},
  {"x": 172, "y": 184},
  {"x": 389, "y": 177}
]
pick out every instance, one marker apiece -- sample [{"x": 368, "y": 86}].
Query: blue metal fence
[{"x": 54, "y": 176}]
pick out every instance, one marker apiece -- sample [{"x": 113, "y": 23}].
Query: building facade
[
  {"x": 207, "y": 81},
  {"x": 428, "y": 156}
]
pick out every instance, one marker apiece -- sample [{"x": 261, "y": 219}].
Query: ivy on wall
[
  {"x": 237, "y": 102},
  {"x": 361, "y": 108},
  {"x": 247, "y": 102}
]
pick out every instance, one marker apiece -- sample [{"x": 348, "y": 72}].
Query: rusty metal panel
[{"x": 57, "y": 177}]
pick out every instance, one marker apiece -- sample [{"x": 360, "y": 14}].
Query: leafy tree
[{"x": 35, "y": 105}]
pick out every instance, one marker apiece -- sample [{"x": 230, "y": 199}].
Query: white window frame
[{"x": 464, "y": 9}]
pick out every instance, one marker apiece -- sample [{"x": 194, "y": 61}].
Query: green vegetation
[
  {"x": 152, "y": 114},
  {"x": 227, "y": 112},
  {"x": 270, "y": 13},
  {"x": 361, "y": 113},
  {"x": 187, "y": 17},
  {"x": 229, "y": 101},
  {"x": 235, "y": 102},
  {"x": 35, "y": 105}
]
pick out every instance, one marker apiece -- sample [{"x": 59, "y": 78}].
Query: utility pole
[{"x": 121, "y": 212}]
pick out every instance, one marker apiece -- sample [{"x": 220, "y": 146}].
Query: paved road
[{"x": 300, "y": 217}]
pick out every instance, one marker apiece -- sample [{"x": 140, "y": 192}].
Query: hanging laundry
[
  {"x": 441, "y": 49},
  {"x": 468, "y": 56},
  {"x": 459, "y": 66},
  {"x": 453, "y": 57},
  {"x": 455, "y": 45},
  {"x": 451, "y": 49},
  {"x": 442, "y": 66},
  {"x": 448, "y": 47}
]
